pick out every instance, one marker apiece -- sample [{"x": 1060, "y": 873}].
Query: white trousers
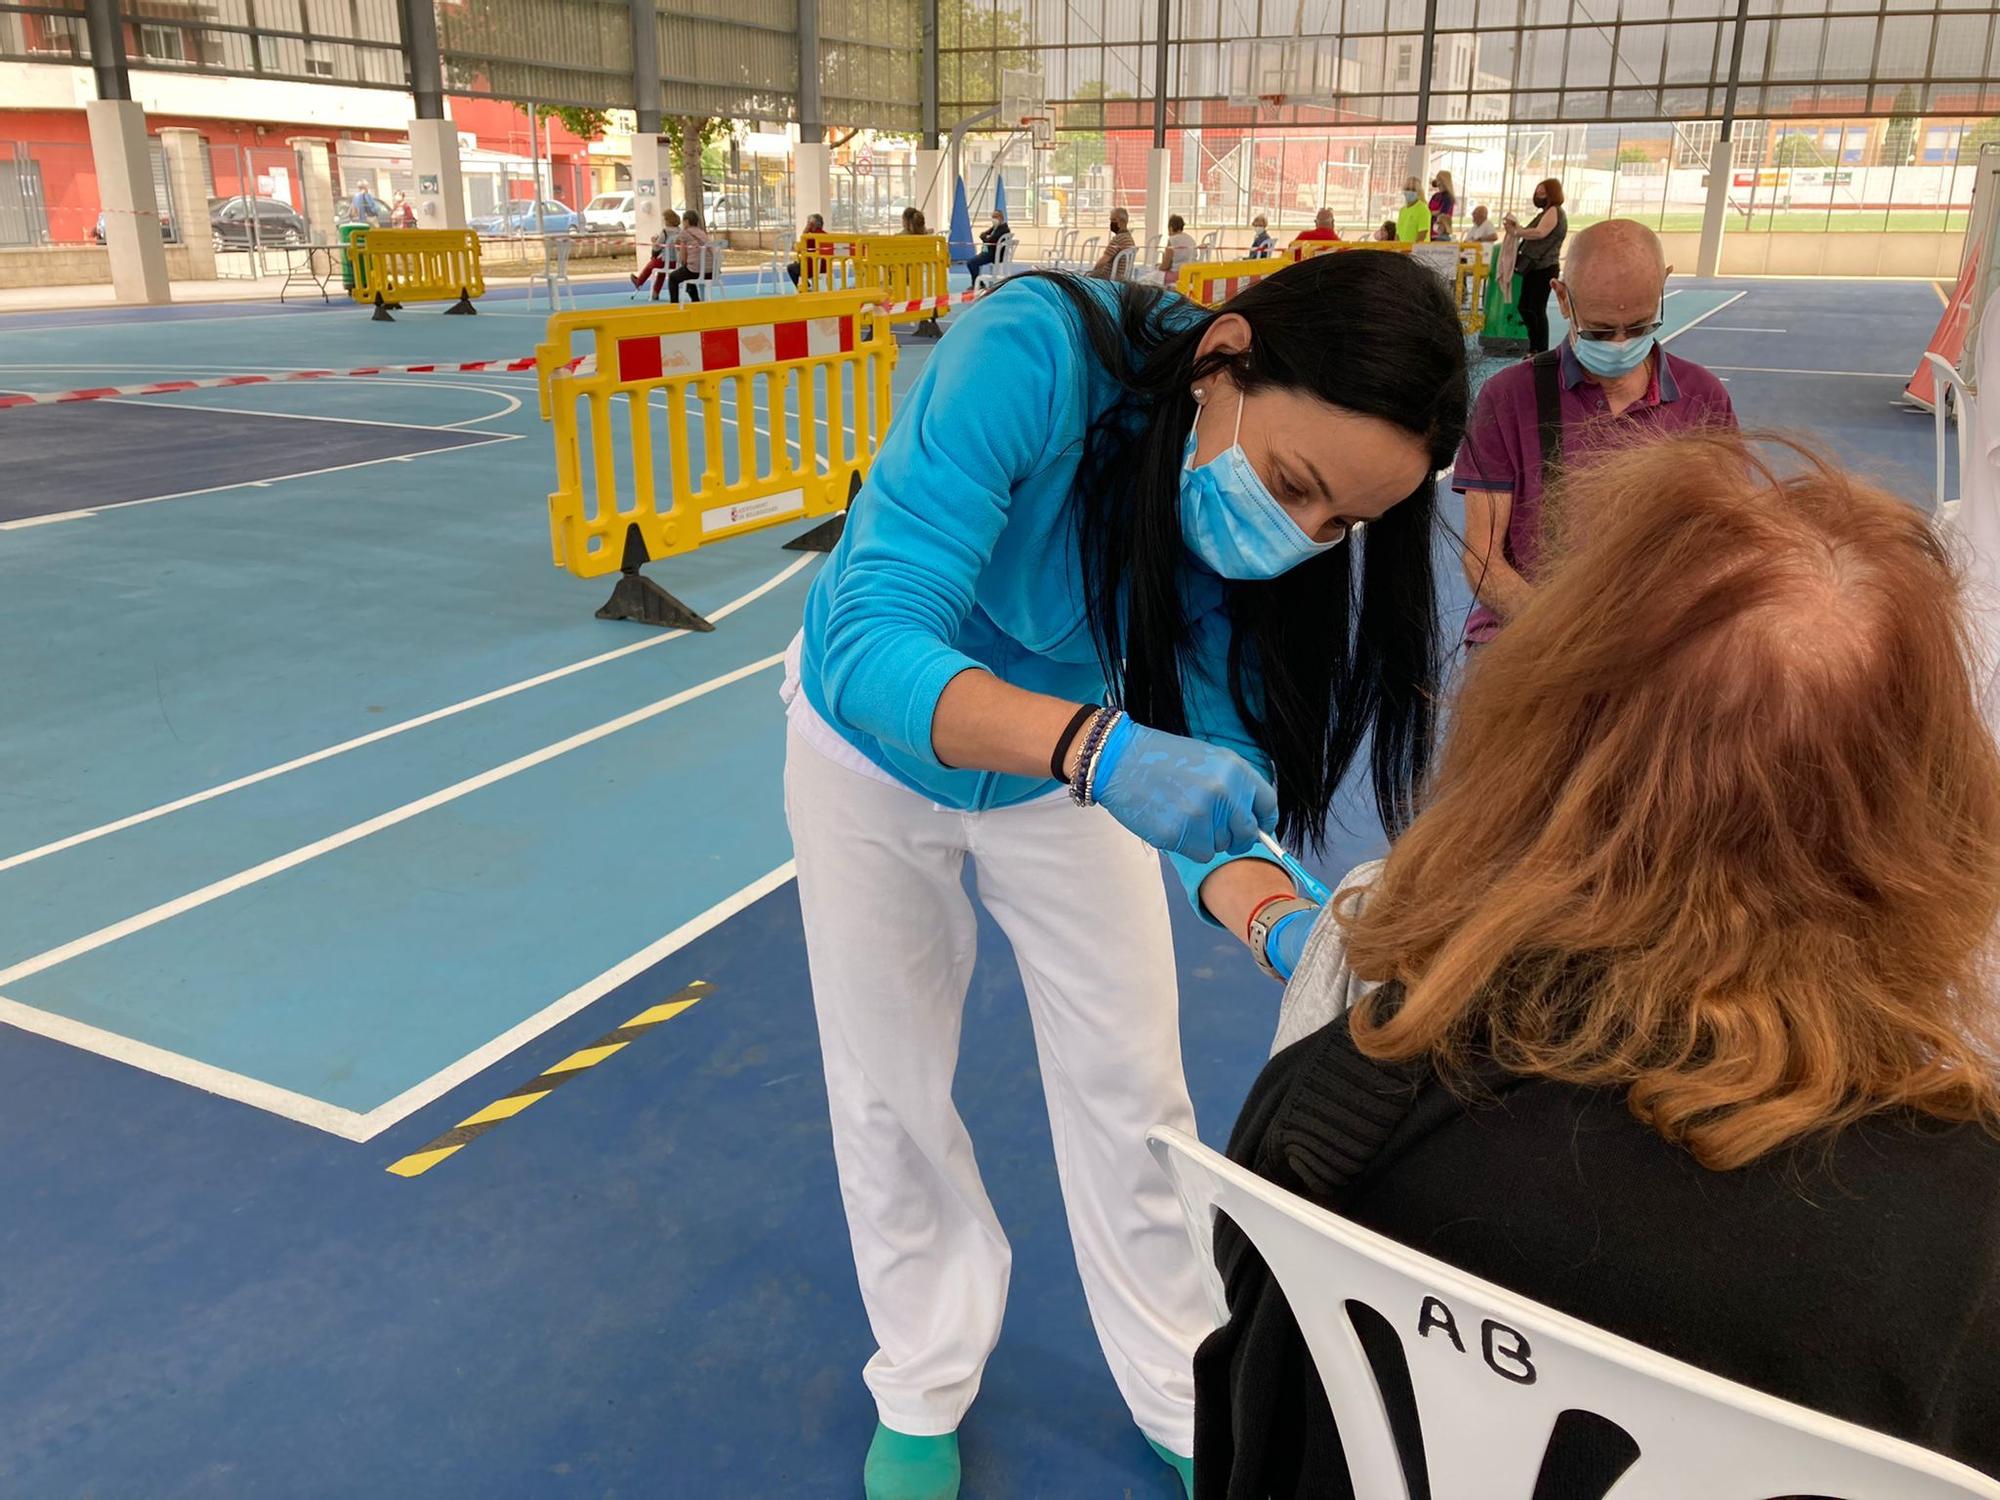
[{"x": 890, "y": 937}]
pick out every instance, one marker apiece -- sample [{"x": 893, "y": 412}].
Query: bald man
[
  {"x": 1322, "y": 228},
  {"x": 1607, "y": 382}
]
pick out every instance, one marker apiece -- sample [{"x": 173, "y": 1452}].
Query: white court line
[
  {"x": 191, "y": 1071},
  {"x": 346, "y": 1123},
  {"x": 514, "y": 405},
  {"x": 1772, "y": 370},
  {"x": 443, "y": 1082},
  {"x": 26, "y": 521},
  {"x": 486, "y": 440},
  {"x": 1739, "y": 328},
  {"x": 402, "y": 726},
  {"x": 1668, "y": 338},
  {"x": 215, "y": 890},
  {"x": 137, "y": 323}
]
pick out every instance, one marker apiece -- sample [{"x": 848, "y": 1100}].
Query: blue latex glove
[
  {"x": 1182, "y": 795},
  {"x": 1285, "y": 944}
]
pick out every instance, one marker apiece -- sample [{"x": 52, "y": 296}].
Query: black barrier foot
[
  {"x": 381, "y": 313},
  {"x": 823, "y": 537},
  {"x": 636, "y": 597},
  {"x": 929, "y": 329},
  {"x": 463, "y": 306}
]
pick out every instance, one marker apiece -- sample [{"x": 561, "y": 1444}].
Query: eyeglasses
[{"x": 1629, "y": 331}]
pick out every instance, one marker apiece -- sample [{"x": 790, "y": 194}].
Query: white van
[{"x": 610, "y": 211}]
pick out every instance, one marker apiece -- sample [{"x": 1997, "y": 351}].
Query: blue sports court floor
[{"x": 330, "y": 817}]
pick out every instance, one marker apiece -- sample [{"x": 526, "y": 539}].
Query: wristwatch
[{"x": 1267, "y": 916}]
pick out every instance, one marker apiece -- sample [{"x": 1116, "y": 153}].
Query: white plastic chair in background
[
  {"x": 1496, "y": 1376},
  {"x": 1944, "y": 509},
  {"x": 1003, "y": 264},
  {"x": 707, "y": 263},
  {"x": 774, "y": 266},
  {"x": 1061, "y": 252},
  {"x": 554, "y": 280},
  {"x": 1122, "y": 264},
  {"x": 1086, "y": 254},
  {"x": 1209, "y": 247}
]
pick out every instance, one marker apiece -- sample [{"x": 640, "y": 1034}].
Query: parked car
[
  {"x": 519, "y": 218},
  {"x": 237, "y": 223},
  {"x": 610, "y": 211},
  {"x": 726, "y": 211},
  {"x": 167, "y": 231}
]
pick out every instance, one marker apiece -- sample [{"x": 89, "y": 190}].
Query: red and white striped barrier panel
[
  {"x": 932, "y": 304},
  {"x": 650, "y": 356},
  {"x": 224, "y": 382}
]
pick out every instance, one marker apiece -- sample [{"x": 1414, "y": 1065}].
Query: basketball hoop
[
  {"x": 1272, "y": 101},
  {"x": 1042, "y": 133}
]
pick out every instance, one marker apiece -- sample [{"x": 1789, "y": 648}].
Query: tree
[
  {"x": 1984, "y": 133},
  {"x": 1900, "y": 134},
  {"x": 1797, "y": 149},
  {"x": 689, "y": 138},
  {"x": 1635, "y": 155}
]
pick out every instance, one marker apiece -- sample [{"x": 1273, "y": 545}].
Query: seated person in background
[
  {"x": 1608, "y": 381},
  {"x": 814, "y": 225},
  {"x": 1386, "y": 232},
  {"x": 1179, "y": 250},
  {"x": 1322, "y": 228},
  {"x": 1482, "y": 229},
  {"x": 1121, "y": 239},
  {"x": 689, "y": 244},
  {"x": 665, "y": 254},
  {"x": 1260, "y": 242},
  {"x": 913, "y": 221},
  {"x": 990, "y": 239},
  {"x": 1682, "y": 1021}
]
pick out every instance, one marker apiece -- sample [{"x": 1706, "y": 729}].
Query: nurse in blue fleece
[{"x": 1105, "y": 592}]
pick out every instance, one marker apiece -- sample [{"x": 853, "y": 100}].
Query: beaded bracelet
[{"x": 1083, "y": 785}]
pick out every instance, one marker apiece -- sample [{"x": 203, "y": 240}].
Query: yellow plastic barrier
[
  {"x": 827, "y": 262},
  {"x": 912, "y": 272},
  {"x": 1212, "y": 283},
  {"x": 909, "y": 270},
  {"x": 394, "y": 266},
  {"x": 813, "y": 369}
]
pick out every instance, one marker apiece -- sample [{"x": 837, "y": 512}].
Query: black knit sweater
[{"x": 1857, "y": 1275}]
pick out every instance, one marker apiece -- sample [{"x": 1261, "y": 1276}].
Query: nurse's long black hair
[{"x": 1344, "y": 648}]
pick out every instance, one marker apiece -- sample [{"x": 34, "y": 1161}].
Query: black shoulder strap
[{"x": 1549, "y": 413}]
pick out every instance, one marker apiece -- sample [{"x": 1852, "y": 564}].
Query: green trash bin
[
  {"x": 1503, "y": 332},
  {"x": 348, "y": 232}
]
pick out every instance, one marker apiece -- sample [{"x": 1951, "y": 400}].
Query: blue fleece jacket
[{"x": 960, "y": 552}]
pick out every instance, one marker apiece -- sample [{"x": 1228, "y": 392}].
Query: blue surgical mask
[
  {"x": 1409, "y": 195},
  {"x": 1232, "y": 522},
  {"x": 1608, "y": 360}
]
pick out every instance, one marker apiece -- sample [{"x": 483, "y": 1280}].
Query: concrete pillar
[
  {"x": 812, "y": 181},
  {"x": 652, "y": 164},
  {"x": 934, "y": 193},
  {"x": 1158, "y": 170},
  {"x": 440, "y": 194},
  {"x": 131, "y": 212},
  {"x": 1716, "y": 211},
  {"x": 316, "y": 188},
  {"x": 189, "y": 190}
]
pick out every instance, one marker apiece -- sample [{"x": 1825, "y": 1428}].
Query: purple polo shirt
[{"x": 1503, "y": 447}]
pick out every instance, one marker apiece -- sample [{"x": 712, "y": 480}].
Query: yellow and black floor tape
[{"x": 547, "y": 1082}]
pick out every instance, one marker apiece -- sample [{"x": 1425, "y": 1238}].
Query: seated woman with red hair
[{"x": 1671, "y": 1010}]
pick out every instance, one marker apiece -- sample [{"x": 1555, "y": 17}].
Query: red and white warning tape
[
  {"x": 932, "y": 304},
  {"x": 220, "y": 382}
]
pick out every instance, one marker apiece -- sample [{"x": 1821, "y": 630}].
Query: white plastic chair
[
  {"x": 1061, "y": 251},
  {"x": 1122, "y": 264},
  {"x": 1493, "y": 1373},
  {"x": 774, "y": 266},
  {"x": 1002, "y": 265},
  {"x": 1086, "y": 254},
  {"x": 554, "y": 279},
  {"x": 1209, "y": 247},
  {"x": 707, "y": 264},
  {"x": 1944, "y": 511}
]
